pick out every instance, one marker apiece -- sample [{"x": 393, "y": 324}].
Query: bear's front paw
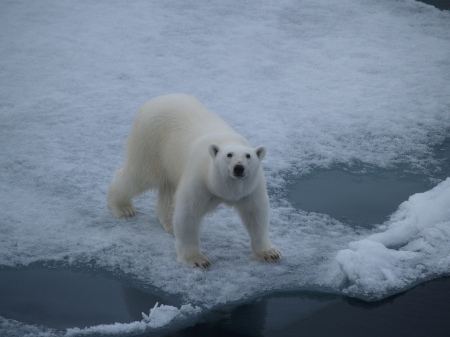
[
  {"x": 195, "y": 260},
  {"x": 269, "y": 255},
  {"x": 123, "y": 211}
]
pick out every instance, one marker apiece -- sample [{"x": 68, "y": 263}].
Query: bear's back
[
  {"x": 184, "y": 115},
  {"x": 172, "y": 129}
]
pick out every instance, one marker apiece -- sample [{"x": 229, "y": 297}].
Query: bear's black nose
[{"x": 239, "y": 170}]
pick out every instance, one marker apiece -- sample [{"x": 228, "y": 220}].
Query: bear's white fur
[{"x": 196, "y": 161}]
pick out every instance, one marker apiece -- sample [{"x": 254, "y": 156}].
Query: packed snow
[{"x": 319, "y": 83}]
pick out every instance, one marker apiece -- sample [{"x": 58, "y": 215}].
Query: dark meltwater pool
[
  {"x": 422, "y": 311},
  {"x": 64, "y": 299},
  {"x": 364, "y": 199},
  {"x": 361, "y": 199}
]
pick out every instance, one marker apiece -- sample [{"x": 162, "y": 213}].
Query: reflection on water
[
  {"x": 261, "y": 316},
  {"x": 422, "y": 311},
  {"x": 65, "y": 299}
]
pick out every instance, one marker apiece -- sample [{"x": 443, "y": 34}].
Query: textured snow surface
[{"x": 317, "y": 82}]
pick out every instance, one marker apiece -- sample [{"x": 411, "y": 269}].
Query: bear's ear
[
  {"x": 213, "y": 149},
  {"x": 260, "y": 152}
]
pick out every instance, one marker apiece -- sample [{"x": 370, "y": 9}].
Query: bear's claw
[
  {"x": 197, "y": 260},
  {"x": 125, "y": 211},
  {"x": 270, "y": 255},
  {"x": 203, "y": 265}
]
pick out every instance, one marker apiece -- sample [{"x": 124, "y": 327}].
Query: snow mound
[
  {"x": 159, "y": 316},
  {"x": 414, "y": 245}
]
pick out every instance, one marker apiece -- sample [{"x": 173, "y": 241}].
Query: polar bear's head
[{"x": 236, "y": 161}]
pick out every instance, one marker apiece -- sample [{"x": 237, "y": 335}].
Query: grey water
[
  {"x": 441, "y": 4},
  {"x": 59, "y": 298},
  {"x": 422, "y": 311},
  {"x": 361, "y": 199},
  {"x": 357, "y": 197}
]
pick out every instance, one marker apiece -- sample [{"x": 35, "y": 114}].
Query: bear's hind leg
[
  {"x": 121, "y": 191},
  {"x": 164, "y": 208}
]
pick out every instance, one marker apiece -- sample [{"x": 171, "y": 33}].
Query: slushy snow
[{"x": 319, "y": 83}]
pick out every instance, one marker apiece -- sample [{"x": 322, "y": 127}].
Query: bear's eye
[
  {"x": 229, "y": 155},
  {"x": 247, "y": 156}
]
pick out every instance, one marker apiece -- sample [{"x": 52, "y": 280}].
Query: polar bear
[{"x": 195, "y": 161}]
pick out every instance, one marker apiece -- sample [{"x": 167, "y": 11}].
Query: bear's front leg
[
  {"x": 254, "y": 212},
  {"x": 186, "y": 228}
]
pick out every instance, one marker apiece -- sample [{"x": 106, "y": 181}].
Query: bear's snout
[{"x": 238, "y": 170}]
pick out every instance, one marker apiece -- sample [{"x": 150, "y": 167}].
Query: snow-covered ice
[{"x": 319, "y": 83}]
